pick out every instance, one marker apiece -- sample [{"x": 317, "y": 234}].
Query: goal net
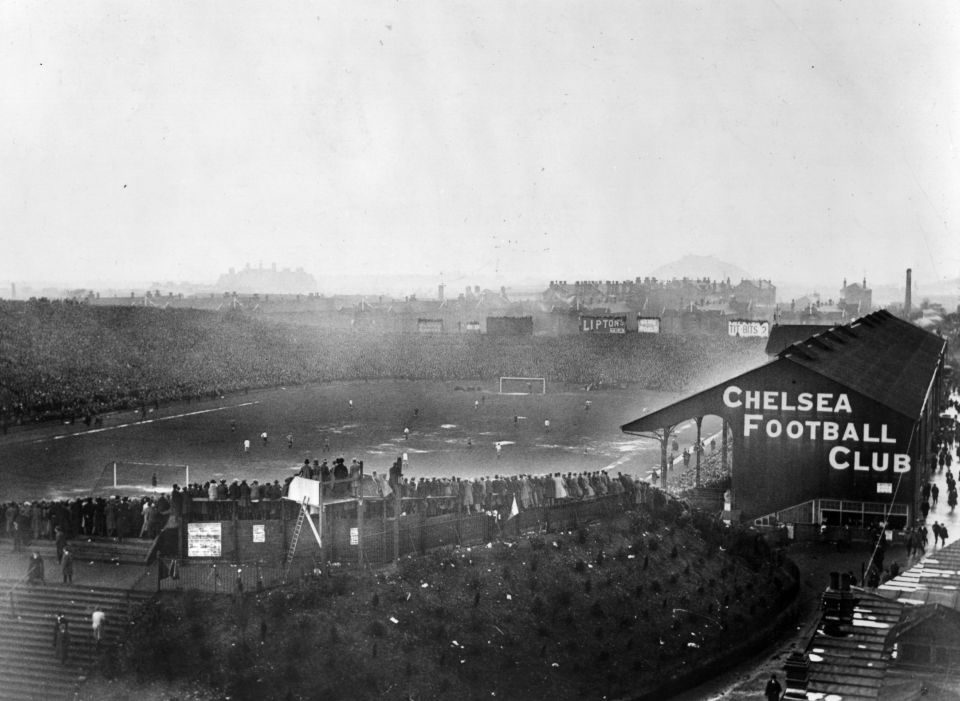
[
  {"x": 523, "y": 385},
  {"x": 128, "y": 478}
]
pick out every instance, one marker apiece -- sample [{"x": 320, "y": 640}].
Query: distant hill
[{"x": 694, "y": 266}]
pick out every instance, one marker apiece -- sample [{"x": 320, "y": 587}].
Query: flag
[{"x": 514, "y": 509}]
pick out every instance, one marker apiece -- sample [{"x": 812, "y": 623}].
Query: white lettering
[
  {"x": 857, "y": 465},
  {"x": 814, "y": 425},
  {"x": 831, "y": 431},
  {"x": 843, "y": 404},
  {"x": 753, "y": 400},
  {"x": 901, "y": 462},
  {"x": 884, "y": 438},
  {"x": 731, "y": 396},
  {"x": 822, "y": 405},
  {"x": 834, "y": 457},
  {"x": 867, "y": 438},
  {"x": 850, "y": 433},
  {"x": 774, "y": 428},
  {"x": 795, "y": 429},
  {"x": 805, "y": 401},
  {"x": 770, "y": 401},
  {"x": 880, "y": 466},
  {"x": 751, "y": 422},
  {"x": 785, "y": 402}
]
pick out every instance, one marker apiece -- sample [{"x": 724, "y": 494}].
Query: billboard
[
  {"x": 509, "y": 325},
  {"x": 473, "y": 326},
  {"x": 648, "y": 324},
  {"x": 610, "y": 323},
  {"x": 203, "y": 539},
  {"x": 745, "y": 328},
  {"x": 430, "y": 325}
]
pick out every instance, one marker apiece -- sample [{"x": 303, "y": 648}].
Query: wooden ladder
[{"x": 296, "y": 537}]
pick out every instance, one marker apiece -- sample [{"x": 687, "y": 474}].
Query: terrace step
[
  {"x": 133, "y": 551},
  {"x": 29, "y": 668}
]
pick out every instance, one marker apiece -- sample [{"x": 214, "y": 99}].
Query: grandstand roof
[
  {"x": 783, "y": 335},
  {"x": 878, "y": 356}
]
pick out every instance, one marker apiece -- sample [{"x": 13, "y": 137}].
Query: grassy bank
[{"x": 604, "y": 611}]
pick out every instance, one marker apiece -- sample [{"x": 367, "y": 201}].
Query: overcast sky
[{"x": 170, "y": 141}]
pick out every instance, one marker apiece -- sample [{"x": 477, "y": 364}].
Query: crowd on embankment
[
  {"x": 73, "y": 362},
  {"x": 121, "y": 517}
]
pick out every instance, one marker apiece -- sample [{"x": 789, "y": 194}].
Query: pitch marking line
[{"x": 142, "y": 423}]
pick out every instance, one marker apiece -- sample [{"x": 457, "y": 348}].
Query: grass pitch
[{"x": 453, "y": 430}]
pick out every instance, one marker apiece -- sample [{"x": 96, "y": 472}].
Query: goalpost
[
  {"x": 129, "y": 478},
  {"x": 523, "y": 385}
]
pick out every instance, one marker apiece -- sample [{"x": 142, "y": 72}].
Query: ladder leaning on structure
[{"x": 301, "y": 517}]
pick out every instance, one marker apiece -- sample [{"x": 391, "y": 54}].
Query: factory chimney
[{"x": 907, "y": 300}]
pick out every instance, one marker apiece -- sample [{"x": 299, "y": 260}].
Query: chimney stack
[{"x": 907, "y": 299}]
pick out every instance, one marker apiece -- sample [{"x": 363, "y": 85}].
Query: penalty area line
[{"x": 144, "y": 422}]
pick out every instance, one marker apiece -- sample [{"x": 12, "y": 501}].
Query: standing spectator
[
  {"x": 66, "y": 566},
  {"x": 935, "y": 494},
  {"x": 96, "y": 620},
  {"x": 246, "y": 445},
  {"x": 17, "y": 536},
  {"x": 60, "y": 540},
  {"x": 35, "y": 569},
  {"x": 773, "y": 690},
  {"x": 263, "y": 437},
  {"x": 61, "y": 638}
]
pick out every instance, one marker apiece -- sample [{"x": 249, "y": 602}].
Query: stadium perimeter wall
[{"x": 418, "y": 533}]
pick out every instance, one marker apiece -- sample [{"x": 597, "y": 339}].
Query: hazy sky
[{"x": 172, "y": 140}]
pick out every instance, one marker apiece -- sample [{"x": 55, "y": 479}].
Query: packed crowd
[
  {"x": 503, "y": 493},
  {"x": 115, "y": 517},
  {"x": 74, "y": 362},
  {"x": 121, "y": 517}
]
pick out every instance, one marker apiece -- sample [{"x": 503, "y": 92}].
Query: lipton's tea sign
[{"x": 875, "y": 451}]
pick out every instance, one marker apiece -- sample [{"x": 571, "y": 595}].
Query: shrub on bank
[{"x": 548, "y": 617}]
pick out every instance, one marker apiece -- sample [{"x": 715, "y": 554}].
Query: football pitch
[{"x": 453, "y": 430}]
